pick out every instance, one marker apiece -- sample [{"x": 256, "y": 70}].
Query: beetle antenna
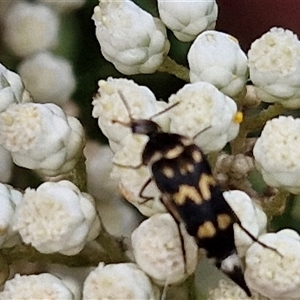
[
  {"x": 125, "y": 104},
  {"x": 164, "y": 110},
  {"x": 201, "y": 131}
]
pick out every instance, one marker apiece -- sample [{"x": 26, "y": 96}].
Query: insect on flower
[{"x": 190, "y": 193}]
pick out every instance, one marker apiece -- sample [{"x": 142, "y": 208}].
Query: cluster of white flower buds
[
  {"x": 206, "y": 109},
  {"x": 55, "y": 217},
  {"x": 219, "y": 71},
  {"x": 136, "y": 42},
  {"x": 41, "y": 137},
  {"x": 269, "y": 275},
  {"x": 36, "y": 136},
  {"x": 275, "y": 154},
  {"x": 119, "y": 281},
  {"x": 197, "y": 17},
  {"x": 157, "y": 250},
  {"x": 59, "y": 218},
  {"x": 207, "y": 62},
  {"x": 41, "y": 286},
  {"x": 156, "y": 243},
  {"x": 274, "y": 67},
  {"x": 31, "y": 31}
]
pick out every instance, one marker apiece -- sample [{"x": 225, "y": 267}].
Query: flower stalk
[
  {"x": 77, "y": 175},
  {"x": 170, "y": 66},
  {"x": 114, "y": 247},
  {"x": 89, "y": 255},
  {"x": 254, "y": 123},
  {"x": 274, "y": 203},
  {"x": 59, "y": 221}
]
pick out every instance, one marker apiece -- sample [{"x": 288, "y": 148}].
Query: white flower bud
[
  {"x": 48, "y": 78},
  {"x": 119, "y": 281},
  {"x": 158, "y": 250},
  {"x": 129, "y": 37},
  {"x": 72, "y": 277},
  {"x": 250, "y": 214},
  {"x": 57, "y": 217},
  {"x": 6, "y": 164},
  {"x": 203, "y": 108},
  {"x": 9, "y": 199},
  {"x": 109, "y": 107},
  {"x": 271, "y": 274},
  {"x": 228, "y": 290},
  {"x": 64, "y": 6},
  {"x": 276, "y": 153},
  {"x": 274, "y": 63},
  {"x": 132, "y": 180},
  {"x": 188, "y": 18},
  {"x": 11, "y": 88},
  {"x": 41, "y": 137},
  {"x": 98, "y": 167},
  {"x": 30, "y": 27},
  {"x": 217, "y": 58},
  {"x": 118, "y": 217},
  {"x": 42, "y": 286}
]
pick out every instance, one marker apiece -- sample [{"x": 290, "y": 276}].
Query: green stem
[
  {"x": 212, "y": 158},
  {"x": 185, "y": 291},
  {"x": 253, "y": 123},
  {"x": 170, "y": 66},
  {"x": 4, "y": 269},
  {"x": 274, "y": 206},
  {"x": 257, "y": 122},
  {"x": 77, "y": 175},
  {"x": 111, "y": 250},
  {"x": 114, "y": 247},
  {"x": 30, "y": 254}
]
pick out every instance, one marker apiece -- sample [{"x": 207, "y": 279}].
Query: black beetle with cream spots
[{"x": 191, "y": 194}]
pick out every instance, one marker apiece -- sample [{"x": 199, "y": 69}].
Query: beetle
[{"x": 190, "y": 193}]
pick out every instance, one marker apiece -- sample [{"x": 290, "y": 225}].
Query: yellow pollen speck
[
  {"x": 206, "y": 230},
  {"x": 224, "y": 221},
  {"x": 238, "y": 117}
]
